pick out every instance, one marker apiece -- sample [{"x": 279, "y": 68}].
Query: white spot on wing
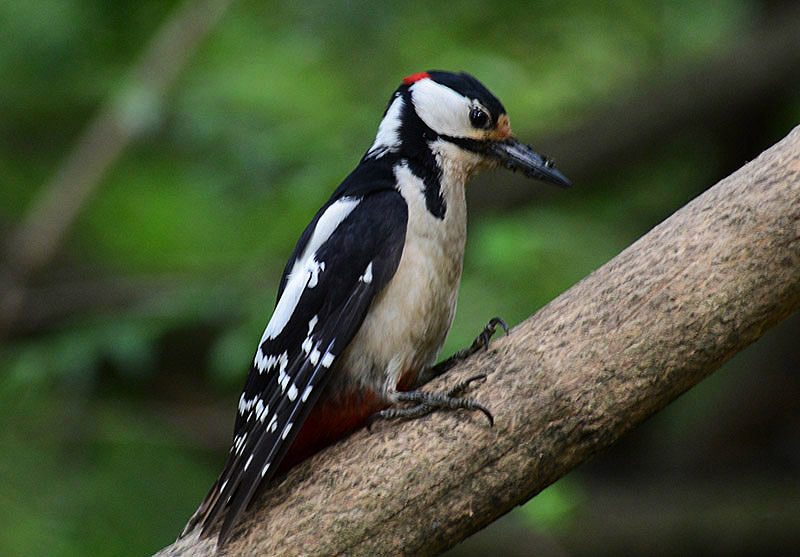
[
  {"x": 327, "y": 360},
  {"x": 312, "y": 323},
  {"x": 367, "y": 276},
  {"x": 264, "y": 469},
  {"x": 238, "y": 442},
  {"x": 306, "y": 346},
  {"x": 268, "y": 362},
  {"x": 286, "y": 430},
  {"x": 306, "y": 267},
  {"x": 314, "y": 357},
  {"x": 306, "y": 393},
  {"x": 292, "y": 394},
  {"x": 273, "y": 423},
  {"x": 315, "y": 269},
  {"x": 246, "y": 405},
  {"x": 283, "y": 378},
  {"x": 247, "y": 464}
]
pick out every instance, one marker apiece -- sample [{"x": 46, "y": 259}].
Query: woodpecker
[{"x": 369, "y": 294}]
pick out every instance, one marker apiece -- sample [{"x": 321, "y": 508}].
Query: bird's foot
[
  {"x": 425, "y": 403},
  {"x": 481, "y": 342}
]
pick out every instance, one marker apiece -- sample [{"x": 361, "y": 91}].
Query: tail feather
[{"x": 202, "y": 512}]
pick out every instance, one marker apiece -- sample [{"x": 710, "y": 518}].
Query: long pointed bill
[{"x": 518, "y": 156}]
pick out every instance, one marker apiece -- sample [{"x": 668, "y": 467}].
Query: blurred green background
[{"x": 131, "y": 302}]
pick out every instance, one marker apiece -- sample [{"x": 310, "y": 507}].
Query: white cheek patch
[{"x": 442, "y": 109}]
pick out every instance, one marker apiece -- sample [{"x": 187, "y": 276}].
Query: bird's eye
[{"x": 478, "y": 118}]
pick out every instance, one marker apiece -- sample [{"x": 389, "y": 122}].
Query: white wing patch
[{"x": 306, "y": 269}]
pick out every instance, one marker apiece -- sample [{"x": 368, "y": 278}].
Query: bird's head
[{"x": 457, "y": 118}]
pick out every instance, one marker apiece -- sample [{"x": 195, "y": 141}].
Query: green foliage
[
  {"x": 554, "y": 508},
  {"x": 90, "y": 478}
]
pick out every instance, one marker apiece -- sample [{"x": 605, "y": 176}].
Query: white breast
[{"x": 409, "y": 320}]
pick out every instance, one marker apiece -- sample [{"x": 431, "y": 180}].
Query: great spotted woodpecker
[{"x": 368, "y": 296}]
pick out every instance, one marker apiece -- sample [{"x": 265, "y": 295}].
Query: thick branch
[{"x": 566, "y": 384}]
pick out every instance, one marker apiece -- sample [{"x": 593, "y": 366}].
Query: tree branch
[{"x": 566, "y": 384}]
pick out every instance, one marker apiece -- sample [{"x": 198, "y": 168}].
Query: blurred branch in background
[
  {"x": 724, "y": 92},
  {"x": 81, "y": 295},
  {"x": 564, "y": 385},
  {"x": 120, "y": 120}
]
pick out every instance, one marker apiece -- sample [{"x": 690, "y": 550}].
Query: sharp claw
[
  {"x": 466, "y": 383},
  {"x": 486, "y": 413},
  {"x": 488, "y": 332},
  {"x": 493, "y": 324},
  {"x": 481, "y": 342},
  {"x": 477, "y": 405},
  {"x": 374, "y": 418}
]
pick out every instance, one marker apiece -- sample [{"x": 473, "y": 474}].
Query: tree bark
[{"x": 563, "y": 386}]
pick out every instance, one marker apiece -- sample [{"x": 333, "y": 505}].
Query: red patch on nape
[{"x": 414, "y": 77}]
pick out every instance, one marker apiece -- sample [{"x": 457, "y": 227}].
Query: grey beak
[{"x": 518, "y": 156}]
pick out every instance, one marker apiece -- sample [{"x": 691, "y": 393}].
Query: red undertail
[
  {"x": 328, "y": 422},
  {"x": 332, "y": 420}
]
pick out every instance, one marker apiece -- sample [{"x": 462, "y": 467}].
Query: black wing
[{"x": 345, "y": 257}]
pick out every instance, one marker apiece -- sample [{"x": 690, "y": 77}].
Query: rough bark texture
[{"x": 566, "y": 383}]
